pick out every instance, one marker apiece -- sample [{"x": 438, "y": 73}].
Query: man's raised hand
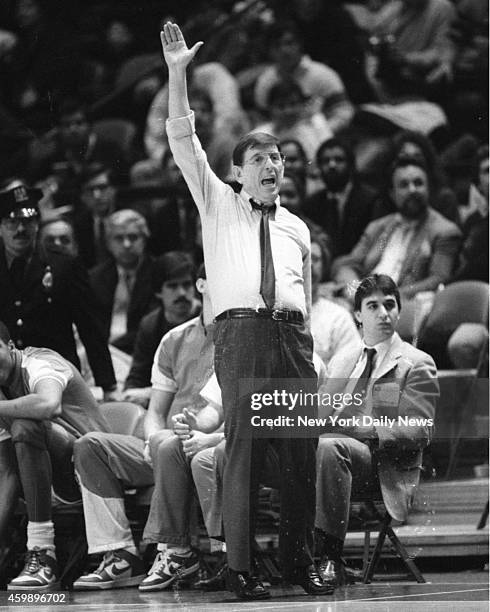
[{"x": 174, "y": 47}]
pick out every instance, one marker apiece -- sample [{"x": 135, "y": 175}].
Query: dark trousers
[
  {"x": 344, "y": 469},
  {"x": 42, "y": 453},
  {"x": 265, "y": 350}
]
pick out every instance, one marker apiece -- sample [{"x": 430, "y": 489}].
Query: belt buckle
[{"x": 276, "y": 315}]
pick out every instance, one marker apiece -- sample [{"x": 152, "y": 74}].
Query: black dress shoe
[
  {"x": 309, "y": 578},
  {"x": 246, "y": 586},
  {"x": 216, "y": 582}
]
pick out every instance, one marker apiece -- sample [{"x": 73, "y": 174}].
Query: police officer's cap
[{"x": 20, "y": 202}]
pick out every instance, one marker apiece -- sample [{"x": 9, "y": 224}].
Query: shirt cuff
[{"x": 180, "y": 127}]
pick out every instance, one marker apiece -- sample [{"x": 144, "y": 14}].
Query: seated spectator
[
  {"x": 178, "y": 304},
  {"x": 72, "y": 149},
  {"x": 97, "y": 202},
  {"x": 332, "y": 326},
  {"x": 416, "y": 245},
  {"x": 415, "y": 145},
  {"x": 319, "y": 83},
  {"x": 330, "y": 36},
  {"x": 215, "y": 143},
  {"x": 295, "y": 160},
  {"x": 181, "y": 366},
  {"x": 467, "y": 100},
  {"x": 56, "y": 234},
  {"x": 290, "y": 119},
  {"x": 468, "y": 344},
  {"x": 48, "y": 406},
  {"x": 292, "y": 195},
  {"x": 173, "y": 219},
  {"x": 395, "y": 380},
  {"x": 126, "y": 284},
  {"x": 222, "y": 89},
  {"x": 345, "y": 206},
  {"x": 412, "y": 49},
  {"x": 473, "y": 259},
  {"x": 43, "y": 64},
  {"x": 46, "y": 292}
]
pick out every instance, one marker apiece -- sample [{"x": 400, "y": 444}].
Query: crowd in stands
[{"x": 381, "y": 108}]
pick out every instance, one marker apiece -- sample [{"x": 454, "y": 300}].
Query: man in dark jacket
[
  {"x": 126, "y": 284},
  {"x": 346, "y": 205},
  {"x": 178, "y": 304},
  {"x": 43, "y": 294}
]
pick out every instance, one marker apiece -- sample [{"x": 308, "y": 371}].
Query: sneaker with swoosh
[
  {"x": 119, "y": 568},
  {"x": 167, "y": 568},
  {"x": 40, "y": 572}
]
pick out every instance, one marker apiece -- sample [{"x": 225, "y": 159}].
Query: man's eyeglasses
[{"x": 259, "y": 159}]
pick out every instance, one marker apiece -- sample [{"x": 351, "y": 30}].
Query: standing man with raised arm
[{"x": 257, "y": 257}]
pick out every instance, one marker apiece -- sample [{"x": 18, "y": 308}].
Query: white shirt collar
[
  {"x": 382, "y": 349},
  {"x": 246, "y": 198}
]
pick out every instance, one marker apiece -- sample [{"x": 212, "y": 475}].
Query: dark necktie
[
  {"x": 333, "y": 206},
  {"x": 267, "y": 276},
  {"x": 17, "y": 270},
  {"x": 362, "y": 382}
]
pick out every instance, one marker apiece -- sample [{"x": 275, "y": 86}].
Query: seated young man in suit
[{"x": 390, "y": 390}]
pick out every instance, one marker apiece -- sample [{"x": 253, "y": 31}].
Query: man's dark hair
[
  {"x": 4, "y": 333},
  {"x": 285, "y": 90},
  {"x": 429, "y": 154},
  {"x": 376, "y": 283},
  {"x": 252, "y": 141},
  {"x": 404, "y": 162},
  {"x": 175, "y": 264},
  {"x": 330, "y": 143}
]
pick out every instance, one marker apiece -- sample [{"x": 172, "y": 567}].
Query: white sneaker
[
  {"x": 119, "y": 568},
  {"x": 167, "y": 568},
  {"x": 40, "y": 572}
]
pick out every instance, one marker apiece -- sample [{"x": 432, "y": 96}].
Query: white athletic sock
[{"x": 41, "y": 535}]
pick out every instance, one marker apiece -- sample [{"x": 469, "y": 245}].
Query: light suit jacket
[
  {"x": 405, "y": 386},
  {"x": 431, "y": 253}
]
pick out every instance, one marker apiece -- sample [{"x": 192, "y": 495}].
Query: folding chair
[{"x": 383, "y": 524}]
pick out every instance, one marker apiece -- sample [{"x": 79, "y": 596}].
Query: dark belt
[{"x": 289, "y": 316}]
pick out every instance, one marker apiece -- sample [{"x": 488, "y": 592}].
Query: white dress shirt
[{"x": 231, "y": 228}]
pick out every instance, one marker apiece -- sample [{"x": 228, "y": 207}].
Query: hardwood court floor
[{"x": 452, "y": 592}]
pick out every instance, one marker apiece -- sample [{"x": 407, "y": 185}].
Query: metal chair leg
[
  {"x": 402, "y": 552},
  {"x": 368, "y": 574},
  {"x": 483, "y": 518}
]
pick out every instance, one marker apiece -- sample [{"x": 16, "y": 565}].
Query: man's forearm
[
  {"x": 178, "y": 102},
  {"x": 30, "y": 406}
]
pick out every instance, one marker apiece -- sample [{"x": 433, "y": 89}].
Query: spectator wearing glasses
[
  {"x": 73, "y": 148},
  {"x": 98, "y": 201},
  {"x": 43, "y": 294}
]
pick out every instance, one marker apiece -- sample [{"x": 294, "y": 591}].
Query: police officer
[{"x": 44, "y": 293}]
